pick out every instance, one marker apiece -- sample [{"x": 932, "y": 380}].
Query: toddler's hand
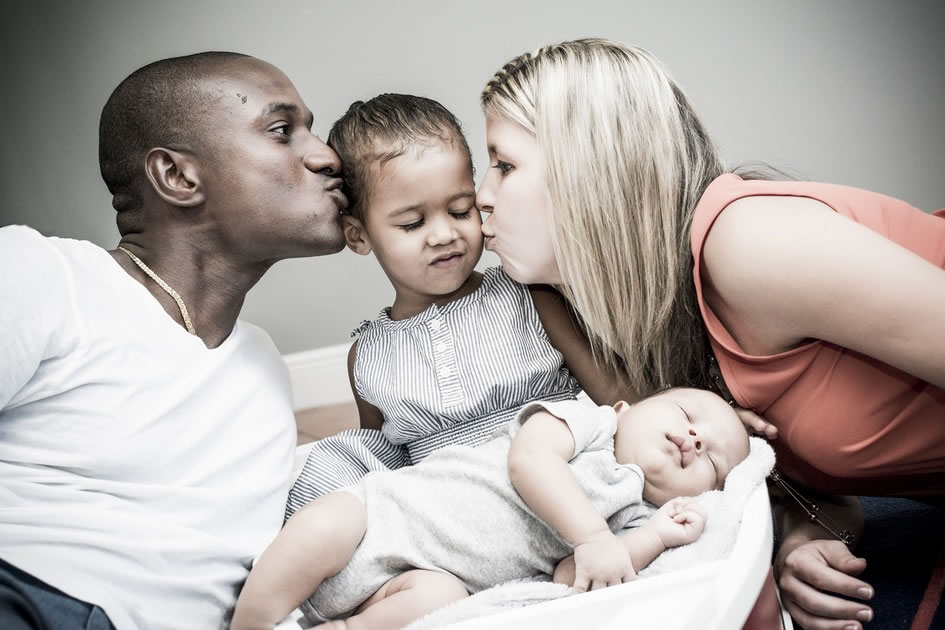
[
  {"x": 601, "y": 560},
  {"x": 678, "y": 522}
]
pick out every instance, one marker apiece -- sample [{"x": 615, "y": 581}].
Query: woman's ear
[
  {"x": 355, "y": 235},
  {"x": 173, "y": 176}
]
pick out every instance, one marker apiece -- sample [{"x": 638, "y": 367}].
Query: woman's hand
[
  {"x": 812, "y": 575},
  {"x": 756, "y": 425}
]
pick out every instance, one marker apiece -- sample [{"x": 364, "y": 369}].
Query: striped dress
[{"x": 449, "y": 375}]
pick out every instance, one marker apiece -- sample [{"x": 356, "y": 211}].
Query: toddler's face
[
  {"x": 686, "y": 441},
  {"x": 422, "y": 222}
]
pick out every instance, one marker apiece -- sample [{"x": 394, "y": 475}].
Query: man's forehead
[{"x": 258, "y": 87}]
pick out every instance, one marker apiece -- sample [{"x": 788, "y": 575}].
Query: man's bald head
[{"x": 163, "y": 104}]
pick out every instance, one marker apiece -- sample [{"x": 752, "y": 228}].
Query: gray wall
[{"x": 848, "y": 91}]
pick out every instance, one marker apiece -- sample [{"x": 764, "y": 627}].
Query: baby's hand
[
  {"x": 601, "y": 560},
  {"x": 678, "y": 522}
]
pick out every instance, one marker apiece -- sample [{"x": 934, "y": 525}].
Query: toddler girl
[{"x": 458, "y": 352}]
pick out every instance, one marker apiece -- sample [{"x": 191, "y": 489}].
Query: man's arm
[
  {"x": 369, "y": 415},
  {"x": 34, "y": 290},
  {"x": 539, "y": 470},
  {"x": 603, "y": 384}
]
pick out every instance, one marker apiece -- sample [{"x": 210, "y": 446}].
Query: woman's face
[{"x": 515, "y": 196}]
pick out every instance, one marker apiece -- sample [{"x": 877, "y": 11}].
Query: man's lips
[{"x": 334, "y": 191}]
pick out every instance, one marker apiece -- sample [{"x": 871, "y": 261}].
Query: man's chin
[{"x": 325, "y": 246}]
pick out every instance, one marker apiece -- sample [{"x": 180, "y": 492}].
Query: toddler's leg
[
  {"x": 405, "y": 598},
  {"x": 315, "y": 543}
]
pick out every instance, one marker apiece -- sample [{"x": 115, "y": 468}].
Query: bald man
[{"x": 146, "y": 433}]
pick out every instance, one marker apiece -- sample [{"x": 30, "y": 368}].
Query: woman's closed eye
[{"x": 504, "y": 167}]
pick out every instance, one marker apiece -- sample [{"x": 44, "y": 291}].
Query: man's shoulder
[
  {"x": 20, "y": 236},
  {"x": 26, "y": 244}
]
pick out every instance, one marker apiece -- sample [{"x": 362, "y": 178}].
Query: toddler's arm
[
  {"x": 370, "y": 416},
  {"x": 602, "y": 384},
  {"x": 539, "y": 470}
]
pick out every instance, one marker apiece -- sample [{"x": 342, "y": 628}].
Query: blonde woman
[{"x": 818, "y": 306}]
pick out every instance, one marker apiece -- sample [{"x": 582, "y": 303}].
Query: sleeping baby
[{"x": 565, "y": 478}]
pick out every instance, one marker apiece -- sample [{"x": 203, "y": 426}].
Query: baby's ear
[{"x": 355, "y": 235}]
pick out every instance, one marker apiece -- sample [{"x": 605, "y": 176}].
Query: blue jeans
[{"x": 27, "y": 603}]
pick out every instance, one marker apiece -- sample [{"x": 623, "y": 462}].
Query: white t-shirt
[{"x": 139, "y": 470}]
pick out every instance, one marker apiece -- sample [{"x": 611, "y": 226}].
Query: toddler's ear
[{"x": 355, "y": 236}]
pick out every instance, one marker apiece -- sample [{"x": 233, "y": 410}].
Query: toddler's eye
[
  {"x": 461, "y": 214},
  {"x": 412, "y": 226}
]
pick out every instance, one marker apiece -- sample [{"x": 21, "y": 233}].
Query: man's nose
[{"x": 320, "y": 158}]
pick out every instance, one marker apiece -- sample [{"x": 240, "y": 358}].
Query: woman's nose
[{"x": 484, "y": 196}]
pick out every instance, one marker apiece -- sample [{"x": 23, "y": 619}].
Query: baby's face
[
  {"x": 686, "y": 441},
  {"x": 422, "y": 221}
]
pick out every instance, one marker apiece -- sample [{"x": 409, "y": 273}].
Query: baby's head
[
  {"x": 686, "y": 441},
  {"x": 409, "y": 180}
]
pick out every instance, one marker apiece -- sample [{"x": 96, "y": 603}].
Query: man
[{"x": 146, "y": 435}]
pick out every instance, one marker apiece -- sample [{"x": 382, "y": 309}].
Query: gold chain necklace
[
  {"x": 810, "y": 508},
  {"x": 171, "y": 292}
]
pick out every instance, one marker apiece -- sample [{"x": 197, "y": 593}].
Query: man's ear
[
  {"x": 355, "y": 235},
  {"x": 173, "y": 176}
]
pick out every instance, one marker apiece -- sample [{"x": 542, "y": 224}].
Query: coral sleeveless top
[{"x": 847, "y": 423}]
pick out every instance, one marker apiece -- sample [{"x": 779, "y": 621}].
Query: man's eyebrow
[{"x": 289, "y": 109}]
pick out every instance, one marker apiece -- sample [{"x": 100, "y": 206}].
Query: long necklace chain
[
  {"x": 810, "y": 508},
  {"x": 171, "y": 292}
]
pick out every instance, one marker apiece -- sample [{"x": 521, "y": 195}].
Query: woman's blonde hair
[{"x": 626, "y": 160}]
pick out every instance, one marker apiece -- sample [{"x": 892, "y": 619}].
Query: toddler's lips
[{"x": 446, "y": 259}]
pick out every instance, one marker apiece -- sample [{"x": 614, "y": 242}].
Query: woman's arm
[
  {"x": 539, "y": 470},
  {"x": 812, "y": 565},
  {"x": 602, "y": 384},
  {"x": 784, "y": 269},
  {"x": 370, "y": 416}
]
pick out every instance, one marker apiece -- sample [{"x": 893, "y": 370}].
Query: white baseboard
[{"x": 319, "y": 377}]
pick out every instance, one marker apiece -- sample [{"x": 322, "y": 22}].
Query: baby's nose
[{"x": 696, "y": 442}]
